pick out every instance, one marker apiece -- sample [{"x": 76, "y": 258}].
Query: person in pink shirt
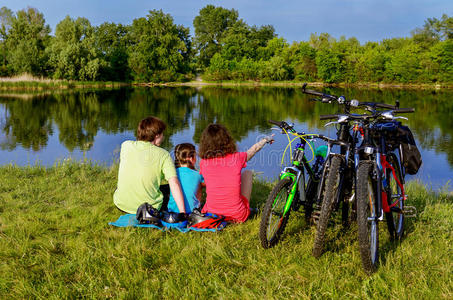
[{"x": 228, "y": 189}]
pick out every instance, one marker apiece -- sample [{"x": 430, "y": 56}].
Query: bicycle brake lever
[
  {"x": 389, "y": 115},
  {"x": 330, "y": 123}
]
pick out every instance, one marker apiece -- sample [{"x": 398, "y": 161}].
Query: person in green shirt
[{"x": 144, "y": 166}]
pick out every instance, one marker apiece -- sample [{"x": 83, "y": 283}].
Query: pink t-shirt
[{"x": 222, "y": 176}]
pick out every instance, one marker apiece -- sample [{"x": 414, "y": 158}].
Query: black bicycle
[
  {"x": 337, "y": 186},
  {"x": 380, "y": 181},
  {"x": 293, "y": 190}
]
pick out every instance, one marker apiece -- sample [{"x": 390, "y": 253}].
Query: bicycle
[
  {"x": 338, "y": 180},
  {"x": 380, "y": 183},
  {"x": 292, "y": 190}
]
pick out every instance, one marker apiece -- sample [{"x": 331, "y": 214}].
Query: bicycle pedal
[
  {"x": 410, "y": 211},
  {"x": 315, "y": 217}
]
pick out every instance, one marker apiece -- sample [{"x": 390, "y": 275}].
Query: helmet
[
  {"x": 173, "y": 219},
  {"x": 197, "y": 216},
  {"x": 146, "y": 214}
]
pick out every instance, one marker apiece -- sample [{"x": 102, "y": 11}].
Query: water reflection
[{"x": 96, "y": 122}]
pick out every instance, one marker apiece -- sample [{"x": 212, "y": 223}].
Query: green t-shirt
[{"x": 143, "y": 167}]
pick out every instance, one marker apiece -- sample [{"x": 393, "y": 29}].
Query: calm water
[{"x": 48, "y": 128}]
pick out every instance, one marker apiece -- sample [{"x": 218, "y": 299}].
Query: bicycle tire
[
  {"x": 367, "y": 222},
  {"x": 310, "y": 198},
  {"x": 330, "y": 193},
  {"x": 395, "y": 220},
  {"x": 275, "y": 204}
]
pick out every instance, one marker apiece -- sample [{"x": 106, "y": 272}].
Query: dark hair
[
  {"x": 183, "y": 153},
  {"x": 149, "y": 128},
  {"x": 216, "y": 141}
]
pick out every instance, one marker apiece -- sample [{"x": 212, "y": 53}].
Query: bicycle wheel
[
  {"x": 310, "y": 198},
  {"x": 273, "y": 221},
  {"x": 330, "y": 192},
  {"x": 367, "y": 222},
  {"x": 395, "y": 218}
]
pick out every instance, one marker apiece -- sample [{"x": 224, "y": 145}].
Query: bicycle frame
[
  {"x": 379, "y": 155},
  {"x": 296, "y": 173},
  {"x": 347, "y": 143}
]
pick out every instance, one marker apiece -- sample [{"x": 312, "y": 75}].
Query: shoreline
[
  {"x": 44, "y": 85},
  {"x": 200, "y": 84}
]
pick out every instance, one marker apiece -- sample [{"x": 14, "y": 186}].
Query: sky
[{"x": 294, "y": 20}]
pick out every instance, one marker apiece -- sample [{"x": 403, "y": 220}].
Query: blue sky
[{"x": 367, "y": 20}]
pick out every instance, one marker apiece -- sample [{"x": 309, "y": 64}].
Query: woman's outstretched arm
[{"x": 258, "y": 146}]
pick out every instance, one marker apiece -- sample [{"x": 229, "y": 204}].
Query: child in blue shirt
[{"x": 190, "y": 179}]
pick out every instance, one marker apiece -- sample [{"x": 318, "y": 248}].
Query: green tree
[
  {"x": 72, "y": 52},
  {"x": 349, "y": 52},
  {"x": 302, "y": 60},
  {"x": 434, "y": 30},
  {"x": 6, "y": 17},
  {"x": 441, "y": 55},
  {"x": 26, "y": 41},
  {"x": 111, "y": 46},
  {"x": 243, "y": 41},
  {"x": 403, "y": 64},
  {"x": 211, "y": 25},
  {"x": 371, "y": 63},
  {"x": 159, "y": 49}
]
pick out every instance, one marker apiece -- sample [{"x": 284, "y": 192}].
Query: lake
[{"x": 47, "y": 128}]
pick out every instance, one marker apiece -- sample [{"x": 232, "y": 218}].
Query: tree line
[{"x": 224, "y": 47}]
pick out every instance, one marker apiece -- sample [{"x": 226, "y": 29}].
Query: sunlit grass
[
  {"x": 55, "y": 243},
  {"x": 29, "y": 82},
  {"x": 27, "y": 78}
]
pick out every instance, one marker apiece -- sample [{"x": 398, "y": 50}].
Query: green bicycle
[{"x": 292, "y": 191}]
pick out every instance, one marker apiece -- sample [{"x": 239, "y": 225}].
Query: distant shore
[
  {"x": 29, "y": 83},
  {"x": 298, "y": 84}
]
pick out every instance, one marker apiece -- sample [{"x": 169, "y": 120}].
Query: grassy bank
[
  {"x": 55, "y": 243},
  {"x": 377, "y": 85},
  {"x": 29, "y": 83}
]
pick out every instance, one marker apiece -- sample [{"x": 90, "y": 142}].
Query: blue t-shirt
[{"x": 190, "y": 181}]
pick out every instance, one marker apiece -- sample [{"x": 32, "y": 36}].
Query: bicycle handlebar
[
  {"x": 380, "y": 105},
  {"x": 319, "y": 94},
  {"x": 326, "y": 98},
  {"x": 279, "y": 124},
  {"x": 328, "y": 117},
  {"x": 403, "y": 110}
]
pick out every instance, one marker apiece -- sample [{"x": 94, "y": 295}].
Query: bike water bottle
[{"x": 320, "y": 154}]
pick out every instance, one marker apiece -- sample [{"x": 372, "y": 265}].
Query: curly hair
[
  {"x": 216, "y": 141},
  {"x": 183, "y": 153},
  {"x": 149, "y": 128}
]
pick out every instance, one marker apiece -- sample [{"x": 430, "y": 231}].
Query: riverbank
[
  {"x": 55, "y": 243},
  {"x": 30, "y": 83},
  {"x": 200, "y": 83},
  {"x": 27, "y": 82}
]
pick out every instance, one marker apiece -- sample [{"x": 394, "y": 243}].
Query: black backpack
[{"x": 411, "y": 157}]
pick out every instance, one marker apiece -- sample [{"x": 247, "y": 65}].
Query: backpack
[{"x": 411, "y": 158}]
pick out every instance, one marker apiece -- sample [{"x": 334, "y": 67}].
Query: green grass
[
  {"x": 55, "y": 243},
  {"x": 30, "y": 83}
]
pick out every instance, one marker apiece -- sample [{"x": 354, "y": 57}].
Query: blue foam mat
[{"x": 129, "y": 220}]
